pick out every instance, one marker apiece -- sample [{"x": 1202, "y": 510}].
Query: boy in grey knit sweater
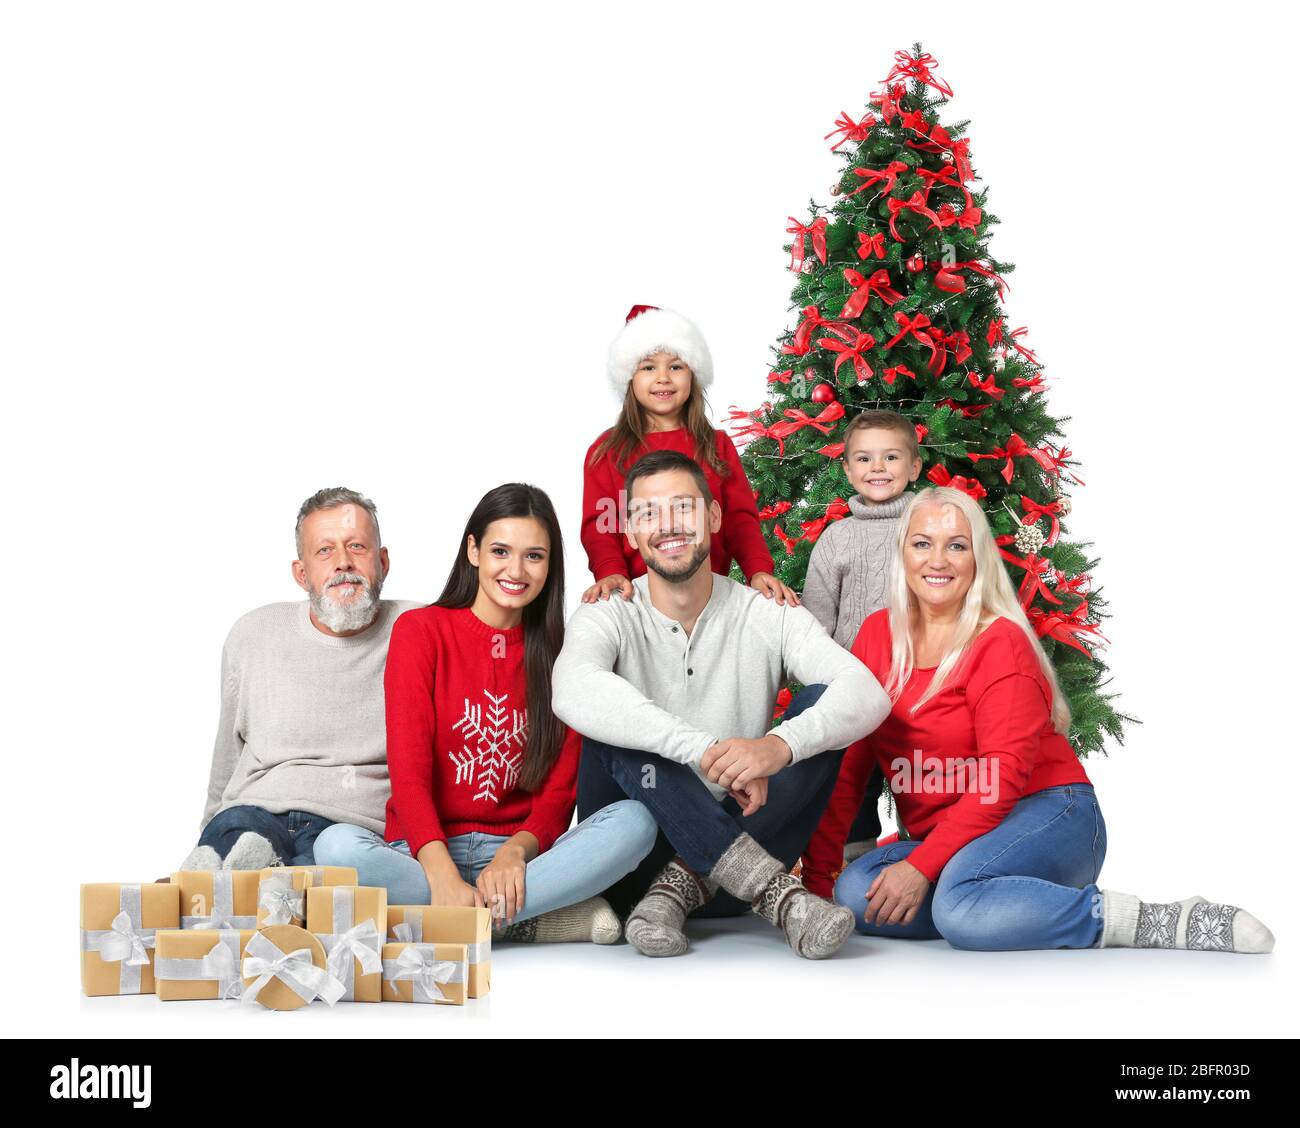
[{"x": 850, "y": 562}]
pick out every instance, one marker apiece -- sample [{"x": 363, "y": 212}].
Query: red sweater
[
  {"x": 989, "y": 727},
  {"x": 455, "y": 701},
  {"x": 741, "y": 537}
]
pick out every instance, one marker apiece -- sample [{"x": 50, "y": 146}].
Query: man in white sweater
[
  {"x": 301, "y": 741},
  {"x": 674, "y": 689}
]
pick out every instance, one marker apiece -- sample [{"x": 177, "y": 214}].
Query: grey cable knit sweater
[{"x": 849, "y": 566}]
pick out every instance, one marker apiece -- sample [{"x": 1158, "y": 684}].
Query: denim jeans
[
  {"x": 1028, "y": 883},
  {"x": 584, "y": 860},
  {"x": 697, "y": 826},
  {"x": 291, "y": 834}
]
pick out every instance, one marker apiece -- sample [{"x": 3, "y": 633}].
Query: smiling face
[
  {"x": 878, "y": 464},
  {"x": 670, "y": 524},
  {"x": 342, "y": 568},
  {"x": 938, "y": 558},
  {"x": 513, "y": 562},
  {"x": 661, "y": 384}
]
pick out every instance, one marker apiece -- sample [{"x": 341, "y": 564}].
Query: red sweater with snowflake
[
  {"x": 959, "y": 764},
  {"x": 608, "y": 550},
  {"x": 455, "y": 702}
]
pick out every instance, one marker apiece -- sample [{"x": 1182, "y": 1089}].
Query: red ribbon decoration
[
  {"x": 921, "y": 431},
  {"x": 1065, "y": 628},
  {"x": 968, "y": 411},
  {"x": 786, "y": 539},
  {"x": 996, "y": 334},
  {"x": 837, "y": 510},
  {"x": 886, "y": 176},
  {"x": 878, "y": 284},
  {"x": 851, "y": 351},
  {"x": 888, "y": 100},
  {"x": 752, "y": 429},
  {"x": 770, "y": 511},
  {"x": 1034, "y": 566},
  {"x": 783, "y": 700},
  {"x": 869, "y": 245},
  {"x": 801, "y": 343},
  {"x": 817, "y": 229},
  {"x": 831, "y": 450},
  {"x": 1053, "y": 461},
  {"x": 798, "y": 419},
  {"x": 940, "y": 476},
  {"x": 978, "y": 268},
  {"x": 1034, "y": 512},
  {"x": 1034, "y": 383},
  {"x": 917, "y": 327},
  {"x": 855, "y": 131},
  {"x": 890, "y": 374},
  {"x": 958, "y": 342},
  {"x": 938, "y": 141},
  {"x": 915, "y": 203},
  {"x": 779, "y": 377},
  {"x": 913, "y": 119},
  {"x": 1016, "y": 448},
  {"x": 988, "y": 386},
  {"x": 918, "y": 67}
]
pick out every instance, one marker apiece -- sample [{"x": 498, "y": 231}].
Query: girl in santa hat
[{"x": 659, "y": 366}]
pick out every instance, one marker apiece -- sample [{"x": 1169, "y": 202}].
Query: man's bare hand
[
  {"x": 751, "y": 796},
  {"x": 735, "y": 762}
]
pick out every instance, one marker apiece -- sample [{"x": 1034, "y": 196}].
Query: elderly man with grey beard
[{"x": 301, "y": 743}]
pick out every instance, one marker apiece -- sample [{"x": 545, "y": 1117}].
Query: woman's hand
[
  {"x": 896, "y": 894},
  {"x": 603, "y": 589},
  {"x": 501, "y": 882},
  {"x": 773, "y": 588},
  {"x": 446, "y": 886}
]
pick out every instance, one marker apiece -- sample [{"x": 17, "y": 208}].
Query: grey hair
[{"x": 331, "y": 498}]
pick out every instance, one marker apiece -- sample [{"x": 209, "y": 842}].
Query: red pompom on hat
[{"x": 649, "y": 330}]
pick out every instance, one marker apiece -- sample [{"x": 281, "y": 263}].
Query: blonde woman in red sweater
[
  {"x": 483, "y": 774},
  {"x": 659, "y": 366},
  {"x": 1003, "y": 837}
]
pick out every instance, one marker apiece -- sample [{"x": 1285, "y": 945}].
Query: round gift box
[{"x": 278, "y": 995}]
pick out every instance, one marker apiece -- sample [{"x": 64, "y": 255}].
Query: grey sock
[
  {"x": 655, "y": 925},
  {"x": 745, "y": 868},
  {"x": 201, "y": 858},
  {"x": 814, "y": 927},
  {"x": 591, "y": 920},
  {"x": 1194, "y": 924},
  {"x": 250, "y": 852}
]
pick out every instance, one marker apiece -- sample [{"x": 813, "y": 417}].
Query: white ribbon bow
[
  {"x": 295, "y": 969},
  {"x": 123, "y": 942},
  {"x": 425, "y": 972},
  {"x": 360, "y": 942},
  {"x": 283, "y": 906}
]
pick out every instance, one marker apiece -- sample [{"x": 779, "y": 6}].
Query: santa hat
[{"x": 649, "y": 330}]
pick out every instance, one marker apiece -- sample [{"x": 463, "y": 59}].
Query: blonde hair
[{"x": 991, "y": 596}]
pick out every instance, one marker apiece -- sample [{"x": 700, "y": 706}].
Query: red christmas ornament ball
[
  {"x": 823, "y": 393},
  {"x": 916, "y": 264}
]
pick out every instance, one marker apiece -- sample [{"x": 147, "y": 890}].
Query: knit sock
[
  {"x": 814, "y": 927},
  {"x": 745, "y": 868},
  {"x": 591, "y": 921},
  {"x": 202, "y": 858},
  {"x": 250, "y": 852},
  {"x": 655, "y": 925},
  {"x": 1194, "y": 924},
  {"x": 854, "y": 850}
]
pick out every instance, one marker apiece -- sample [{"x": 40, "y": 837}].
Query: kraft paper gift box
[
  {"x": 218, "y": 899},
  {"x": 118, "y": 927},
  {"x": 328, "y": 875},
  {"x": 284, "y": 969},
  {"x": 351, "y": 921},
  {"x": 447, "y": 924},
  {"x": 199, "y": 963},
  {"x": 282, "y": 896},
  {"x": 425, "y": 973}
]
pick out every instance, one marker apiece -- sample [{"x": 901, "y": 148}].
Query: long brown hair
[
  {"x": 628, "y": 434},
  {"x": 543, "y": 620}
]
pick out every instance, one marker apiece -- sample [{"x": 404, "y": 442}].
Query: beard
[
  {"x": 678, "y": 571},
  {"x": 354, "y": 615}
]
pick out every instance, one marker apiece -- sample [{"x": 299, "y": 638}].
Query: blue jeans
[
  {"x": 291, "y": 834},
  {"x": 583, "y": 861},
  {"x": 699, "y": 827},
  {"x": 1028, "y": 883}
]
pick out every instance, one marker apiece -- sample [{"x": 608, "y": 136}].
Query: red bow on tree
[
  {"x": 770, "y": 511},
  {"x": 746, "y": 426},
  {"x": 915, "y": 202},
  {"x": 1016, "y": 448},
  {"x": 940, "y": 476},
  {"x": 801, "y": 343},
  {"x": 853, "y": 351},
  {"x": 1034, "y": 383},
  {"x": 988, "y": 386},
  {"x": 885, "y": 176},
  {"x": 966, "y": 410},
  {"x": 869, "y": 245},
  {"x": 817, "y": 229},
  {"x": 855, "y": 131},
  {"x": 877, "y": 284},
  {"x": 890, "y": 374},
  {"x": 798, "y": 419},
  {"x": 1065, "y": 628},
  {"x": 918, "y": 327},
  {"x": 888, "y": 100},
  {"x": 1034, "y": 511},
  {"x": 838, "y": 509},
  {"x": 1035, "y": 567},
  {"x": 918, "y": 67}
]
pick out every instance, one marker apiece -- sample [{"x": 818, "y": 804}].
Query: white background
[{"x": 253, "y": 249}]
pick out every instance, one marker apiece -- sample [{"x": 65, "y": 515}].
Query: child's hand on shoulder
[
  {"x": 773, "y": 588},
  {"x": 603, "y": 589}
]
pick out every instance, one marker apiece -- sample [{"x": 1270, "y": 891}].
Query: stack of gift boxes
[{"x": 280, "y": 937}]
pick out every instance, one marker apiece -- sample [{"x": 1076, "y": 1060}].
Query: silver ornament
[{"x": 1029, "y": 539}]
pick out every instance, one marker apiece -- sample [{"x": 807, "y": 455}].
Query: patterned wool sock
[
  {"x": 814, "y": 927},
  {"x": 1194, "y": 924},
  {"x": 655, "y": 925},
  {"x": 745, "y": 868},
  {"x": 250, "y": 852},
  {"x": 591, "y": 921},
  {"x": 202, "y": 858}
]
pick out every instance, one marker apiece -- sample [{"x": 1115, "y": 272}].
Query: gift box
[
  {"x": 118, "y": 927},
  {"x": 282, "y": 896},
  {"x": 218, "y": 899},
  {"x": 351, "y": 922},
  {"x": 425, "y": 973},
  {"x": 284, "y": 969},
  {"x": 199, "y": 963},
  {"x": 328, "y": 875},
  {"x": 447, "y": 924}
]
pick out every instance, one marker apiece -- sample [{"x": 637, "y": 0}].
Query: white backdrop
[{"x": 253, "y": 249}]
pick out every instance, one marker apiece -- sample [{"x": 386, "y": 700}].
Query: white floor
[{"x": 740, "y": 980}]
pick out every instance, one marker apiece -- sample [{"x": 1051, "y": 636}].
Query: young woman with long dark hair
[{"x": 483, "y": 774}]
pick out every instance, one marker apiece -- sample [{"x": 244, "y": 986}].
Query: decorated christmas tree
[{"x": 902, "y": 306}]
